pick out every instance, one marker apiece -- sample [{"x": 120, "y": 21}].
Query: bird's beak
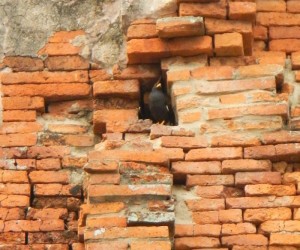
[{"x": 158, "y": 85}]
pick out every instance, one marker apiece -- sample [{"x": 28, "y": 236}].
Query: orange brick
[
  {"x": 277, "y": 19},
  {"x": 291, "y": 178},
  {"x": 260, "y": 33},
  {"x": 282, "y": 248},
  {"x": 265, "y": 214},
  {"x": 210, "y": 191},
  {"x": 59, "y": 49},
  {"x": 13, "y": 238},
  {"x": 70, "y": 107},
  {"x": 12, "y": 103},
  {"x": 214, "y": 154},
  {"x": 259, "y": 152},
  {"x": 49, "y": 177},
  {"x": 143, "y": 72},
  {"x": 15, "y": 189},
  {"x": 129, "y": 232},
  {"x": 12, "y": 201},
  {"x": 242, "y": 11},
  {"x": 295, "y": 60},
  {"x": 246, "y": 165},
  {"x": 257, "y": 178},
  {"x": 150, "y": 245},
  {"x": 293, "y": 6},
  {"x": 48, "y": 164},
  {"x": 11, "y": 176},
  {"x": 216, "y": 10},
  {"x": 97, "y": 192},
  {"x": 205, "y": 204},
  {"x": 184, "y": 142},
  {"x": 65, "y": 36},
  {"x": 180, "y": 27},
  {"x": 45, "y": 77},
  {"x": 62, "y": 237},
  {"x": 209, "y": 180},
  {"x": 278, "y": 226},
  {"x": 20, "y": 127},
  {"x": 47, "y": 214},
  {"x": 33, "y": 226},
  {"x": 285, "y": 239},
  {"x": 284, "y": 32},
  {"x": 115, "y": 245},
  {"x": 232, "y": 61},
  {"x": 126, "y": 88},
  {"x": 71, "y": 161},
  {"x": 18, "y": 140},
  {"x": 62, "y": 91},
  {"x": 222, "y": 216},
  {"x": 230, "y": 140},
  {"x": 67, "y": 128},
  {"x": 194, "y": 242},
  {"x": 240, "y": 228},
  {"x": 178, "y": 75},
  {"x": 57, "y": 190},
  {"x": 260, "y": 70},
  {"x": 213, "y": 73},
  {"x": 41, "y": 152},
  {"x": 114, "y": 120},
  {"x": 229, "y": 44},
  {"x": 189, "y": 116},
  {"x": 99, "y": 75},
  {"x": 19, "y": 115},
  {"x": 270, "y": 5},
  {"x": 246, "y": 239},
  {"x": 23, "y": 63},
  {"x": 285, "y": 45},
  {"x": 281, "y": 137},
  {"x": 267, "y": 189},
  {"x": 262, "y": 110},
  {"x": 12, "y": 214},
  {"x": 80, "y": 140},
  {"x": 106, "y": 222},
  {"x": 197, "y": 230},
  {"x": 139, "y": 31},
  {"x": 66, "y": 63},
  {"x": 209, "y": 167},
  {"x": 25, "y": 164}
]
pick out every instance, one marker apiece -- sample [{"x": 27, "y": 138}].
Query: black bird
[{"x": 158, "y": 104}]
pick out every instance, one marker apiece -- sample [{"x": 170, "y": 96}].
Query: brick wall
[{"x": 81, "y": 170}]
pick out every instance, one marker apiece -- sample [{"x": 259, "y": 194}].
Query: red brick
[
  {"x": 115, "y": 245},
  {"x": 17, "y": 189},
  {"x": 67, "y": 128},
  {"x": 45, "y": 77},
  {"x": 270, "y": 5},
  {"x": 245, "y": 239},
  {"x": 209, "y": 167},
  {"x": 257, "y": 178},
  {"x": 230, "y": 140},
  {"x": 194, "y": 242},
  {"x": 288, "y": 239},
  {"x": 229, "y": 44},
  {"x": 33, "y": 226},
  {"x": 278, "y": 226},
  {"x": 101, "y": 166},
  {"x": 20, "y": 127},
  {"x": 291, "y": 178},
  {"x": 41, "y": 152},
  {"x": 70, "y": 107},
  {"x": 114, "y": 120},
  {"x": 12, "y": 237},
  {"x": 209, "y": 180},
  {"x": 74, "y": 162},
  {"x": 48, "y": 164},
  {"x": 281, "y": 137},
  {"x": 287, "y": 150},
  {"x": 12, "y": 103},
  {"x": 236, "y": 85},
  {"x": 184, "y": 142},
  {"x": 66, "y": 63},
  {"x": 267, "y": 189},
  {"x": 180, "y": 27},
  {"x": 100, "y": 192},
  {"x": 11, "y": 176},
  {"x": 99, "y": 75},
  {"x": 12, "y": 214},
  {"x": 222, "y": 216},
  {"x": 25, "y": 164},
  {"x": 80, "y": 140},
  {"x": 240, "y": 228},
  {"x": 62, "y": 91},
  {"x": 285, "y": 45},
  {"x": 277, "y": 19},
  {"x": 260, "y": 70},
  {"x": 12, "y": 201},
  {"x": 47, "y": 214},
  {"x": 259, "y": 152},
  {"x": 119, "y": 88},
  {"x": 65, "y": 36},
  {"x": 293, "y": 6},
  {"x": 282, "y": 248},
  {"x": 20, "y": 63},
  {"x": 150, "y": 245},
  {"x": 77, "y": 246},
  {"x": 260, "y": 33},
  {"x": 57, "y": 190},
  {"x": 18, "y": 140},
  {"x": 63, "y": 237},
  {"x": 265, "y": 214},
  {"x": 295, "y": 60},
  {"x": 216, "y": 10},
  {"x": 210, "y": 191},
  {"x": 242, "y": 11},
  {"x": 59, "y": 49},
  {"x": 232, "y": 61},
  {"x": 213, "y": 73},
  {"x": 245, "y": 165},
  {"x": 140, "y": 31},
  {"x": 49, "y": 177},
  {"x": 197, "y": 230},
  {"x": 284, "y": 32},
  {"x": 214, "y": 154},
  {"x": 262, "y": 202},
  {"x": 106, "y": 222},
  {"x": 129, "y": 232},
  {"x": 205, "y": 204},
  {"x": 19, "y": 115}
]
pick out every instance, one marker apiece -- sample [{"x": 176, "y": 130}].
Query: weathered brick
[
  {"x": 232, "y": 61},
  {"x": 270, "y": 57},
  {"x": 34, "y": 226},
  {"x": 64, "y": 237},
  {"x": 62, "y": 91},
  {"x": 70, "y": 107},
  {"x": 23, "y": 63},
  {"x": 245, "y": 239},
  {"x": 194, "y": 242},
  {"x": 19, "y": 115},
  {"x": 41, "y": 152},
  {"x": 209, "y": 180},
  {"x": 240, "y": 228},
  {"x": 205, "y": 204},
  {"x": 150, "y": 245},
  {"x": 216, "y": 10},
  {"x": 242, "y": 11},
  {"x": 106, "y": 222},
  {"x": 67, "y": 128},
  {"x": 140, "y": 31},
  {"x": 13, "y": 103},
  {"x": 18, "y": 140},
  {"x": 260, "y": 33},
  {"x": 264, "y": 214},
  {"x": 12, "y": 201},
  {"x": 229, "y": 140},
  {"x": 129, "y": 232},
  {"x": 291, "y": 178},
  {"x": 120, "y": 88},
  {"x": 229, "y": 44},
  {"x": 246, "y": 165},
  {"x": 184, "y": 142},
  {"x": 218, "y": 217},
  {"x": 212, "y": 73},
  {"x": 295, "y": 60},
  {"x": 209, "y": 167},
  {"x": 48, "y": 164},
  {"x": 13, "y": 238},
  {"x": 11, "y": 176},
  {"x": 213, "y": 230},
  {"x": 257, "y": 178},
  {"x": 57, "y": 190},
  {"x": 115, "y": 245},
  {"x": 285, "y": 45},
  {"x": 260, "y": 152},
  {"x": 12, "y": 213},
  {"x": 279, "y": 225},
  {"x": 214, "y": 154},
  {"x": 65, "y": 63},
  {"x": 288, "y": 239},
  {"x": 270, "y": 5},
  {"x": 267, "y": 189},
  {"x": 59, "y": 49},
  {"x": 49, "y": 177},
  {"x": 25, "y": 164},
  {"x": 284, "y": 32},
  {"x": 277, "y": 19},
  {"x": 80, "y": 140},
  {"x": 15, "y": 189},
  {"x": 293, "y": 6},
  {"x": 20, "y": 127},
  {"x": 74, "y": 162},
  {"x": 46, "y": 213}
]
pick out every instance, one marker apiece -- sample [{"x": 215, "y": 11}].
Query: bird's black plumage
[{"x": 158, "y": 104}]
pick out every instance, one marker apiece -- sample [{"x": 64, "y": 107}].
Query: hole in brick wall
[{"x": 156, "y": 104}]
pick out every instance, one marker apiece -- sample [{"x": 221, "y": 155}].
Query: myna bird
[{"x": 158, "y": 104}]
